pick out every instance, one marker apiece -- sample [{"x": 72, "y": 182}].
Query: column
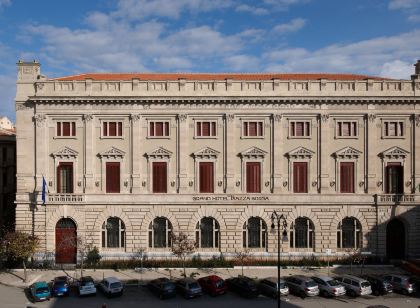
[
  {"x": 182, "y": 153},
  {"x": 135, "y": 153},
  {"x": 229, "y": 152},
  {"x": 277, "y": 153},
  {"x": 88, "y": 163}
]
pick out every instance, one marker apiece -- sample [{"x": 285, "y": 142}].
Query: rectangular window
[
  {"x": 206, "y": 177},
  {"x": 111, "y": 129},
  {"x": 4, "y": 150},
  {"x": 66, "y": 129},
  {"x": 300, "y": 129},
  {"x": 394, "y": 178},
  {"x": 346, "y": 129},
  {"x": 160, "y": 177},
  {"x": 113, "y": 177},
  {"x": 65, "y": 178},
  {"x": 394, "y": 129},
  {"x": 253, "y": 177},
  {"x": 300, "y": 177},
  {"x": 205, "y": 129},
  {"x": 347, "y": 177},
  {"x": 253, "y": 129},
  {"x": 158, "y": 129}
]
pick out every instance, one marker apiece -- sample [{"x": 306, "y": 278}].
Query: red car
[{"x": 214, "y": 285}]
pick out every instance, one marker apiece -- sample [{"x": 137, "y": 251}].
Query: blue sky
[{"x": 375, "y": 37}]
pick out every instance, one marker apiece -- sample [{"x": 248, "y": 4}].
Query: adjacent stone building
[{"x": 130, "y": 158}]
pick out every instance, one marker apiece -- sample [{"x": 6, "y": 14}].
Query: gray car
[
  {"x": 401, "y": 283},
  {"x": 268, "y": 287},
  {"x": 189, "y": 287},
  {"x": 355, "y": 286},
  {"x": 301, "y": 285},
  {"x": 329, "y": 286}
]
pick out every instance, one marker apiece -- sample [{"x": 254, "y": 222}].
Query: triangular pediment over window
[
  {"x": 253, "y": 153},
  {"x": 112, "y": 152},
  {"x": 347, "y": 152},
  {"x": 159, "y": 153},
  {"x": 206, "y": 153},
  {"x": 66, "y": 152},
  {"x": 300, "y": 153},
  {"x": 394, "y": 153}
]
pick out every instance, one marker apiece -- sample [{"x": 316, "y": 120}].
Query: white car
[
  {"x": 111, "y": 286},
  {"x": 86, "y": 286}
]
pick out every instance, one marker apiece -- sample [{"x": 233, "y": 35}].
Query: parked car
[
  {"x": 401, "y": 283},
  {"x": 328, "y": 286},
  {"x": 189, "y": 287},
  {"x": 303, "y": 286},
  {"x": 40, "y": 291},
  {"x": 379, "y": 285},
  {"x": 111, "y": 286},
  {"x": 355, "y": 286},
  {"x": 162, "y": 287},
  {"x": 214, "y": 285},
  {"x": 60, "y": 286},
  {"x": 269, "y": 287},
  {"x": 86, "y": 286},
  {"x": 244, "y": 286}
]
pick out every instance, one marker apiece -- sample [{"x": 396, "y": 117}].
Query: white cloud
[
  {"x": 292, "y": 26},
  {"x": 243, "y": 63},
  {"x": 252, "y": 9},
  {"x": 414, "y": 18},
  {"x": 403, "y": 4},
  {"x": 283, "y": 5},
  {"x": 397, "y": 69}
]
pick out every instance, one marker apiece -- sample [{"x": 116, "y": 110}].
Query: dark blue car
[{"x": 60, "y": 286}]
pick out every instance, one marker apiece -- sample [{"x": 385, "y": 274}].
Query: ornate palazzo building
[{"x": 129, "y": 159}]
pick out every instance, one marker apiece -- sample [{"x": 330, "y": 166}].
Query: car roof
[
  {"x": 112, "y": 279},
  {"x": 352, "y": 277},
  {"x": 399, "y": 276},
  {"x": 40, "y": 284},
  {"x": 86, "y": 278},
  {"x": 187, "y": 279},
  {"x": 60, "y": 278},
  {"x": 273, "y": 279},
  {"x": 301, "y": 277},
  {"x": 213, "y": 277},
  {"x": 325, "y": 278}
]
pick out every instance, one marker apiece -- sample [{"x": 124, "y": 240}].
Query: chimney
[
  {"x": 416, "y": 75},
  {"x": 28, "y": 71}
]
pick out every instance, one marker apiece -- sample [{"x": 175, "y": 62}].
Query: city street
[{"x": 12, "y": 297}]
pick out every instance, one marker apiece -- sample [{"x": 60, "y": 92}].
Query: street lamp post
[{"x": 281, "y": 224}]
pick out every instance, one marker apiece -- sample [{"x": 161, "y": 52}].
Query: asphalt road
[{"x": 141, "y": 297}]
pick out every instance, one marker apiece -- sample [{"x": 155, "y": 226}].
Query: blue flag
[{"x": 44, "y": 190}]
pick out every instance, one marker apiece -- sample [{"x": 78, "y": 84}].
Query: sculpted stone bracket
[{"x": 39, "y": 119}]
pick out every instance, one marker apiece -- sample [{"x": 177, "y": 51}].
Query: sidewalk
[{"x": 15, "y": 277}]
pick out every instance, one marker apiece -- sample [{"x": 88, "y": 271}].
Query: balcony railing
[
  {"x": 67, "y": 198},
  {"x": 396, "y": 198}
]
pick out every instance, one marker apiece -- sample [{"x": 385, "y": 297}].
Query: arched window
[
  {"x": 160, "y": 232},
  {"x": 207, "y": 233},
  {"x": 302, "y": 233},
  {"x": 349, "y": 233},
  {"x": 255, "y": 233},
  {"x": 113, "y": 233}
]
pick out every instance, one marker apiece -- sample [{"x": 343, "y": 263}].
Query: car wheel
[
  {"x": 404, "y": 292},
  {"x": 352, "y": 293},
  {"x": 376, "y": 293}
]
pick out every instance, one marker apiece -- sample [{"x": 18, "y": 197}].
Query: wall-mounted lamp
[
  {"x": 172, "y": 183},
  {"x": 191, "y": 183},
  {"x": 79, "y": 183},
  {"x": 332, "y": 183},
  {"x": 314, "y": 183},
  {"x": 267, "y": 183},
  {"x": 285, "y": 183},
  {"x": 379, "y": 183},
  {"x": 143, "y": 183},
  {"x": 97, "y": 183},
  {"x": 50, "y": 183},
  {"x": 238, "y": 183},
  {"x": 126, "y": 183},
  {"x": 219, "y": 183},
  {"x": 408, "y": 183},
  {"x": 361, "y": 183}
]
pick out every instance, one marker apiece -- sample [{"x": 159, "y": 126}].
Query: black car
[
  {"x": 60, "y": 286},
  {"x": 244, "y": 286},
  {"x": 162, "y": 287},
  {"x": 379, "y": 285}
]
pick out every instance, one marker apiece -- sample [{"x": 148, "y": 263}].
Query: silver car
[
  {"x": 401, "y": 283},
  {"x": 189, "y": 287},
  {"x": 268, "y": 287},
  {"x": 329, "y": 286},
  {"x": 355, "y": 286},
  {"x": 302, "y": 285}
]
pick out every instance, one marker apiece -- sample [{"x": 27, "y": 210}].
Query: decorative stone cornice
[
  {"x": 159, "y": 153},
  {"x": 206, "y": 153},
  {"x": 394, "y": 153},
  {"x": 347, "y": 153},
  {"x": 300, "y": 153},
  {"x": 113, "y": 153},
  {"x": 253, "y": 153},
  {"x": 65, "y": 152}
]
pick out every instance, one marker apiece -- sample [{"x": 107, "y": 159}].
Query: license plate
[
  {"x": 42, "y": 298},
  {"x": 59, "y": 294}
]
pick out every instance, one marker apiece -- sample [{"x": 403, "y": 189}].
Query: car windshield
[
  {"x": 193, "y": 285},
  {"x": 310, "y": 284},
  {"x": 87, "y": 283},
  {"x": 59, "y": 283},
  {"x": 333, "y": 283},
  {"x": 365, "y": 284},
  {"x": 116, "y": 285},
  {"x": 219, "y": 284},
  {"x": 282, "y": 285},
  {"x": 168, "y": 286},
  {"x": 42, "y": 290}
]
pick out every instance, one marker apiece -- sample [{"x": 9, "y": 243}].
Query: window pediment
[
  {"x": 347, "y": 152},
  {"x": 159, "y": 153},
  {"x": 253, "y": 153},
  {"x": 206, "y": 153},
  {"x": 112, "y": 152},
  {"x": 65, "y": 152},
  {"x": 394, "y": 153},
  {"x": 300, "y": 153}
]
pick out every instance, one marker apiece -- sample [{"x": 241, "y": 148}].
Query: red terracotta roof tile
[{"x": 216, "y": 76}]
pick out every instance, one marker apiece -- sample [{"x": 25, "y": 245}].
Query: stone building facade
[{"x": 129, "y": 159}]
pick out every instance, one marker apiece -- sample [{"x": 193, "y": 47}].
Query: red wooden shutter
[
  {"x": 66, "y": 128},
  {"x": 119, "y": 129},
  {"x": 205, "y": 129},
  {"x": 66, "y": 167},
  {"x": 159, "y": 128},
  {"x": 394, "y": 178},
  {"x": 300, "y": 177},
  {"x": 347, "y": 177},
  {"x": 245, "y": 129},
  {"x": 166, "y": 124},
  {"x": 206, "y": 177},
  {"x": 346, "y": 129},
  {"x": 112, "y": 129},
  {"x": 160, "y": 177},
  {"x": 152, "y": 129},
  {"x": 260, "y": 129},
  {"x": 213, "y": 128},
  {"x": 199, "y": 129},
  {"x": 299, "y": 129},
  {"x": 73, "y": 128},
  {"x": 253, "y": 177},
  {"x": 58, "y": 128},
  {"x": 112, "y": 177},
  {"x": 252, "y": 129},
  {"x": 105, "y": 129}
]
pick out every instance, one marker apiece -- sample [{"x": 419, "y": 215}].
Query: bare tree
[
  {"x": 20, "y": 246},
  {"x": 243, "y": 256},
  {"x": 355, "y": 257},
  {"x": 182, "y": 247}
]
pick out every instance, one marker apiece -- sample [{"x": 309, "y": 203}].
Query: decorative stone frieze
[
  {"x": 159, "y": 153},
  {"x": 253, "y": 153},
  {"x": 394, "y": 153},
  {"x": 65, "y": 152},
  {"x": 300, "y": 153},
  {"x": 39, "y": 119},
  {"x": 206, "y": 153},
  {"x": 347, "y": 152},
  {"x": 112, "y": 153}
]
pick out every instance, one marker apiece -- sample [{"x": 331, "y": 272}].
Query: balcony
[
  {"x": 409, "y": 199},
  {"x": 65, "y": 198}
]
